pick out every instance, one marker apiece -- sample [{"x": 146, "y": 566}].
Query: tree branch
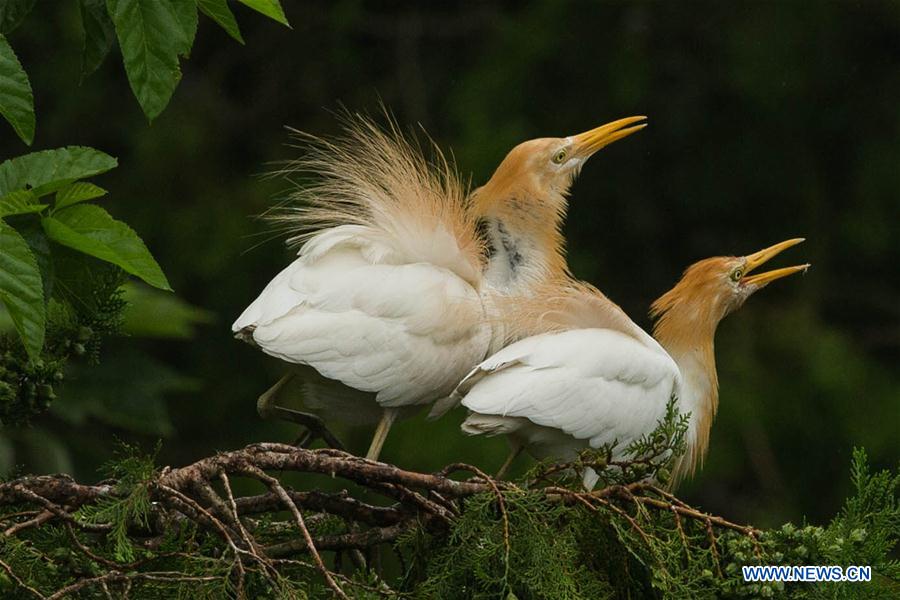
[{"x": 252, "y": 527}]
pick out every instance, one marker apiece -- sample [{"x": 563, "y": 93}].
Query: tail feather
[
  {"x": 246, "y": 334},
  {"x": 443, "y": 406},
  {"x": 479, "y": 424}
]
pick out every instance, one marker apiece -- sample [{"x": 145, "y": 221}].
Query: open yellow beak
[
  {"x": 590, "y": 141},
  {"x": 757, "y": 258}
]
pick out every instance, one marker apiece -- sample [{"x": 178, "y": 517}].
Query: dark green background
[{"x": 767, "y": 121}]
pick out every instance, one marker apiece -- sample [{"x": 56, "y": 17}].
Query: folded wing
[
  {"x": 358, "y": 310},
  {"x": 596, "y": 385}
]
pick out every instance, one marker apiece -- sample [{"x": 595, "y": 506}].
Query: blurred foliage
[
  {"x": 155, "y": 314},
  {"x": 767, "y": 121}
]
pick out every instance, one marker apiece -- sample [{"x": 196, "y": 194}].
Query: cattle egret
[
  {"x": 589, "y": 376},
  {"x": 389, "y": 301}
]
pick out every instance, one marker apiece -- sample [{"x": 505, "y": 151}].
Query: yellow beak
[
  {"x": 590, "y": 141},
  {"x": 758, "y": 258}
]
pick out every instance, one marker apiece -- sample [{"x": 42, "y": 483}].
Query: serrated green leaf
[
  {"x": 99, "y": 34},
  {"x": 13, "y": 12},
  {"x": 19, "y": 202},
  {"x": 218, "y": 11},
  {"x": 21, "y": 290},
  {"x": 151, "y": 33},
  {"x": 16, "y": 99},
  {"x": 91, "y": 230},
  {"x": 32, "y": 232},
  {"x": 50, "y": 170},
  {"x": 78, "y": 192},
  {"x": 270, "y": 8},
  {"x": 185, "y": 12}
]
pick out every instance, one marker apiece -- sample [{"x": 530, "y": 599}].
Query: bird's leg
[
  {"x": 381, "y": 432},
  {"x": 515, "y": 449},
  {"x": 315, "y": 426},
  {"x": 313, "y": 423},
  {"x": 304, "y": 439},
  {"x": 265, "y": 404}
]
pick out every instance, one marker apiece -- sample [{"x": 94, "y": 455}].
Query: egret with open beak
[{"x": 590, "y": 377}]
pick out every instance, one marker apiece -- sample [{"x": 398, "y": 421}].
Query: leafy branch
[
  {"x": 153, "y": 36},
  {"x": 231, "y": 526},
  {"x": 61, "y": 264},
  {"x": 66, "y": 220}
]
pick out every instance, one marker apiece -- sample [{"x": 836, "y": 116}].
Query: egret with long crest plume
[
  {"x": 588, "y": 376},
  {"x": 389, "y": 303}
]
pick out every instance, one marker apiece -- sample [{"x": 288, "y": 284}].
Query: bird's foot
[{"x": 315, "y": 427}]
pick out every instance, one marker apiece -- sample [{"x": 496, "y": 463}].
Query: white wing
[
  {"x": 353, "y": 307},
  {"x": 596, "y": 385}
]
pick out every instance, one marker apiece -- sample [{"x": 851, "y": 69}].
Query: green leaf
[
  {"x": 270, "y": 8},
  {"x": 185, "y": 12},
  {"x": 50, "y": 170},
  {"x": 218, "y": 11},
  {"x": 99, "y": 34},
  {"x": 13, "y": 12},
  {"x": 152, "y": 33},
  {"x": 16, "y": 99},
  {"x": 20, "y": 289},
  {"x": 19, "y": 202},
  {"x": 32, "y": 232},
  {"x": 155, "y": 314},
  {"x": 43, "y": 451},
  {"x": 91, "y": 230},
  {"x": 6, "y": 322},
  {"x": 78, "y": 192}
]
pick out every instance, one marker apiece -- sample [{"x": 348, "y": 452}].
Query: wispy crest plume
[{"x": 378, "y": 178}]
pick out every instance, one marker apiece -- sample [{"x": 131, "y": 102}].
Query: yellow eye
[
  {"x": 737, "y": 274},
  {"x": 560, "y": 157}
]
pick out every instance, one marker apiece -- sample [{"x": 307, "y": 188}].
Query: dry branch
[{"x": 381, "y": 503}]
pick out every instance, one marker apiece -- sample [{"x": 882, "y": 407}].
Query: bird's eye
[
  {"x": 737, "y": 274},
  {"x": 560, "y": 157}
]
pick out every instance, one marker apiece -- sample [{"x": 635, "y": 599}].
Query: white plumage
[
  {"x": 588, "y": 376},
  {"x": 367, "y": 314},
  {"x": 558, "y": 393},
  {"x": 390, "y": 290}
]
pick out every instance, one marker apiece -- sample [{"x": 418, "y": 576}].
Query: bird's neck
[
  {"x": 688, "y": 336},
  {"x": 524, "y": 252}
]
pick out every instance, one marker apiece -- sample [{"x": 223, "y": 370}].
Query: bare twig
[
  {"x": 201, "y": 494},
  {"x": 684, "y": 541},
  {"x": 359, "y": 540},
  {"x": 713, "y": 548},
  {"x": 19, "y": 582},
  {"x": 17, "y": 490},
  {"x": 116, "y": 577},
  {"x": 40, "y": 519},
  {"x": 276, "y": 487},
  {"x": 340, "y": 504}
]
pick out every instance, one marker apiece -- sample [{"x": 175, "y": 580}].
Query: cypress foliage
[{"x": 540, "y": 538}]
